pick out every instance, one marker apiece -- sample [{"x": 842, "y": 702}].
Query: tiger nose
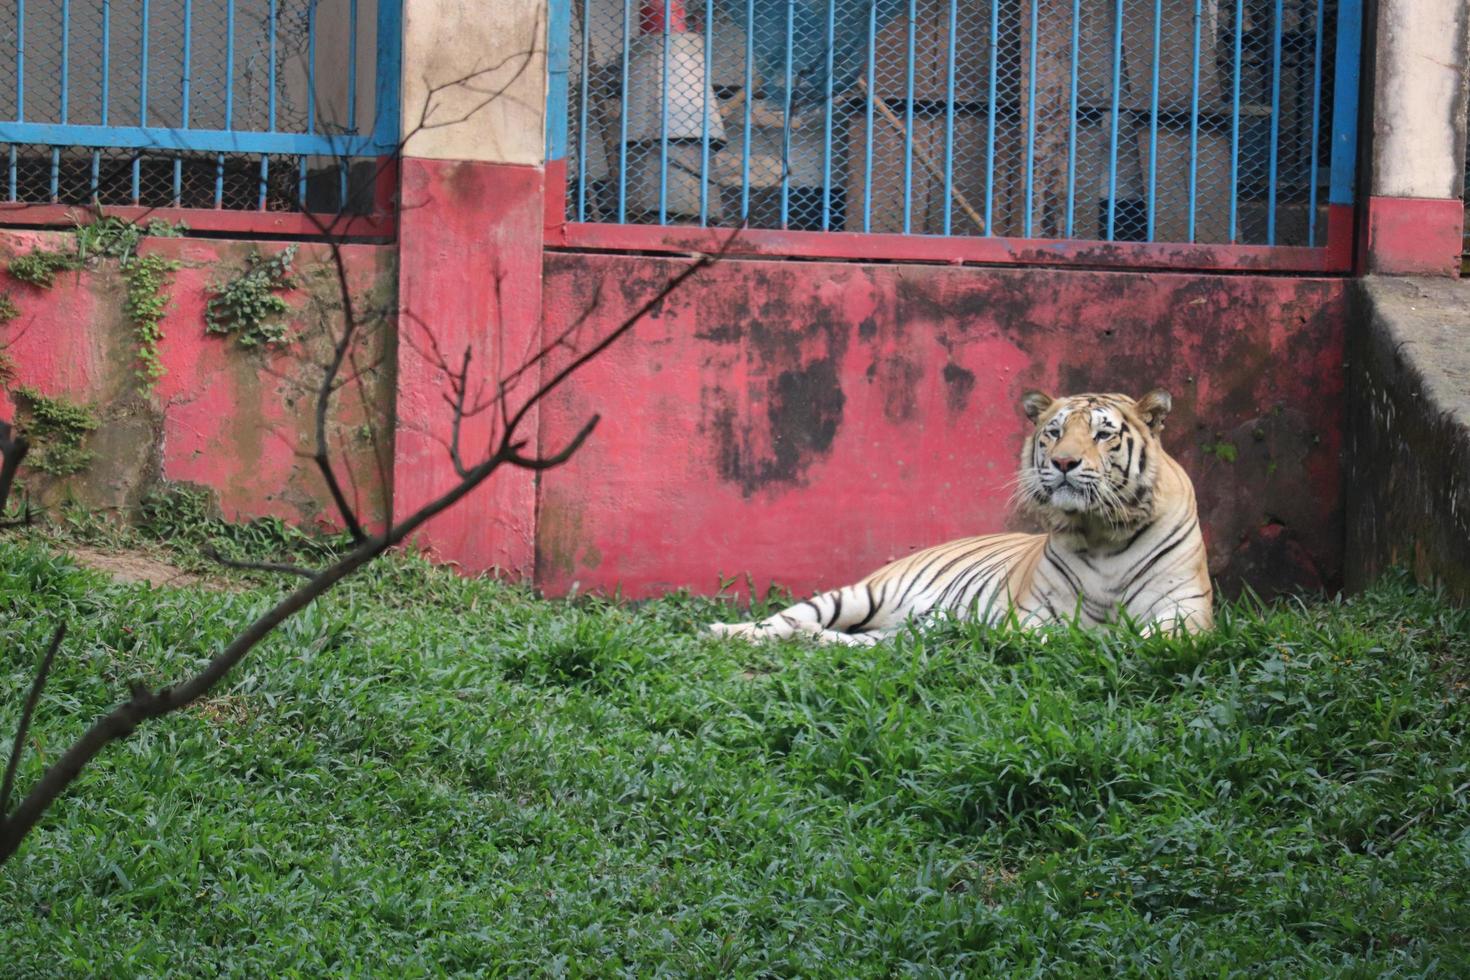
[{"x": 1065, "y": 463}]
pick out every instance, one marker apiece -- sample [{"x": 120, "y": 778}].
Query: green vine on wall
[
  {"x": 147, "y": 277},
  {"x": 8, "y": 311},
  {"x": 39, "y": 266},
  {"x": 249, "y": 307},
  {"x": 56, "y": 429}
]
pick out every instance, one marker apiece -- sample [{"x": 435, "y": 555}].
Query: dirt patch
[{"x": 136, "y": 566}]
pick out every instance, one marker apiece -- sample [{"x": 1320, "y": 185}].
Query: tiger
[{"x": 1121, "y": 539}]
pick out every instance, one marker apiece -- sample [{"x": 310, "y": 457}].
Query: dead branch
[
  {"x": 23, "y": 729},
  {"x": 146, "y": 704},
  {"x": 283, "y": 568},
  {"x": 13, "y": 449}
]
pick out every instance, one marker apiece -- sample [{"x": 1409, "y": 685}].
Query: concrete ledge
[{"x": 1408, "y": 439}]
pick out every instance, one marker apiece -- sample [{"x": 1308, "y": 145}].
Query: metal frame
[
  {"x": 380, "y": 143},
  {"x": 1335, "y": 256}
]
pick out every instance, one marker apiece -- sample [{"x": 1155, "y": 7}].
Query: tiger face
[{"x": 1092, "y": 458}]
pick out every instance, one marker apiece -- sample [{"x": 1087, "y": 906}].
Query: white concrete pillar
[
  {"x": 1415, "y": 215},
  {"x": 474, "y": 80}
]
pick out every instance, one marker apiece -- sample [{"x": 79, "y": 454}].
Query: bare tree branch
[
  {"x": 24, "y": 728},
  {"x": 505, "y": 449},
  {"x": 13, "y": 449}
]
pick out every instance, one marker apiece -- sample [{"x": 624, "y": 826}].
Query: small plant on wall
[
  {"x": 56, "y": 429},
  {"x": 249, "y": 306},
  {"x": 147, "y": 277}
]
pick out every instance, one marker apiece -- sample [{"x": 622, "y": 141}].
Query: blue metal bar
[
  {"x": 991, "y": 98},
  {"x": 106, "y": 57},
  {"x": 558, "y": 65},
  {"x": 265, "y": 169},
  {"x": 186, "y": 141},
  {"x": 1072, "y": 121},
  {"x": 1235, "y": 118},
  {"x": 1030, "y": 125},
  {"x": 868, "y": 109},
  {"x": 623, "y": 120},
  {"x": 65, "y": 59},
  {"x": 20, "y": 78},
  {"x": 142, "y": 101},
  {"x": 908, "y": 124},
  {"x": 55, "y": 174},
  {"x": 582, "y": 111},
  {"x": 709, "y": 34},
  {"x": 184, "y": 94},
  {"x": 663, "y": 123},
  {"x": 1194, "y": 120},
  {"x": 342, "y": 184},
  {"x": 187, "y": 62},
  {"x": 1275, "y": 126},
  {"x": 786, "y": 113},
  {"x": 270, "y": 79},
  {"x": 1113, "y": 139},
  {"x": 949, "y": 120},
  {"x": 387, "y": 74},
  {"x": 1316, "y": 129},
  {"x": 351, "y": 64},
  {"x": 96, "y": 171},
  {"x": 143, "y": 82},
  {"x": 1151, "y": 199},
  {"x": 827, "y": 128},
  {"x": 301, "y": 182},
  {"x": 12, "y": 173},
  {"x": 749, "y": 91},
  {"x": 310, "y": 67},
  {"x": 219, "y": 170},
  {"x": 1345, "y": 101}
]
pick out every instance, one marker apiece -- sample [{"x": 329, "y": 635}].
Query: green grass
[{"x": 425, "y": 775}]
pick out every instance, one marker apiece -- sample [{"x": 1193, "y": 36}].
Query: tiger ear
[
  {"x": 1153, "y": 408},
  {"x": 1035, "y": 403}
]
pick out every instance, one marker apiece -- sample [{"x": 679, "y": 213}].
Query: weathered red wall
[
  {"x": 230, "y": 419},
  {"x": 469, "y": 279},
  {"x": 806, "y": 422}
]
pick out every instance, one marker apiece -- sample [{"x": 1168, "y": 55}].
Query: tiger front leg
[
  {"x": 828, "y": 617},
  {"x": 1190, "y": 613}
]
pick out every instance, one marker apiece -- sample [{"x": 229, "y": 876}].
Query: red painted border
[
  {"x": 1409, "y": 236},
  {"x": 1335, "y": 257},
  {"x": 276, "y": 224}
]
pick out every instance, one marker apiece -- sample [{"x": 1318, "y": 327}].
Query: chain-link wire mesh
[
  {"x": 177, "y": 67},
  {"x": 1123, "y": 120}
]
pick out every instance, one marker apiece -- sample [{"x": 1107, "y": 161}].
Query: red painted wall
[
  {"x": 230, "y": 419},
  {"x": 806, "y": 422},
  {"x": 469, "y": 279}
]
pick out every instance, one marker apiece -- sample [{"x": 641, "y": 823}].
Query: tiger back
[{"x": 1121, "y": 537}]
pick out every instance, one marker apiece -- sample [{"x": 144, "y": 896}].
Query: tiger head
[{"x": 1092, "y": 459}]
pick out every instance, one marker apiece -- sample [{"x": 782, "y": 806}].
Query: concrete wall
[
  {"x": 806, "y": 422},
  {"x": 230, "y": 419},
  {"x": 1408, "y": 476}
]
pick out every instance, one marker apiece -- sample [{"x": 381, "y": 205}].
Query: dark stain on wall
[
  {"x": 958, "y": 382},
  {"x": 791, "y": 409}
]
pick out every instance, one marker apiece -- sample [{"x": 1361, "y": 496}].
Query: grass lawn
[{"x": 425, "y": 775}]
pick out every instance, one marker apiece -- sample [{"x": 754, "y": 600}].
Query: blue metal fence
[
  {"x": 1213, "y": 121},
  {"x": 235, "y": 104}
]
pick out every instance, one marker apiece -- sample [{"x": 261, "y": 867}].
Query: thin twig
[
  {"x": 13, "y": 449},
  {"x": 23, "y": 729},
  {"x": 258, "y": 566}
]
